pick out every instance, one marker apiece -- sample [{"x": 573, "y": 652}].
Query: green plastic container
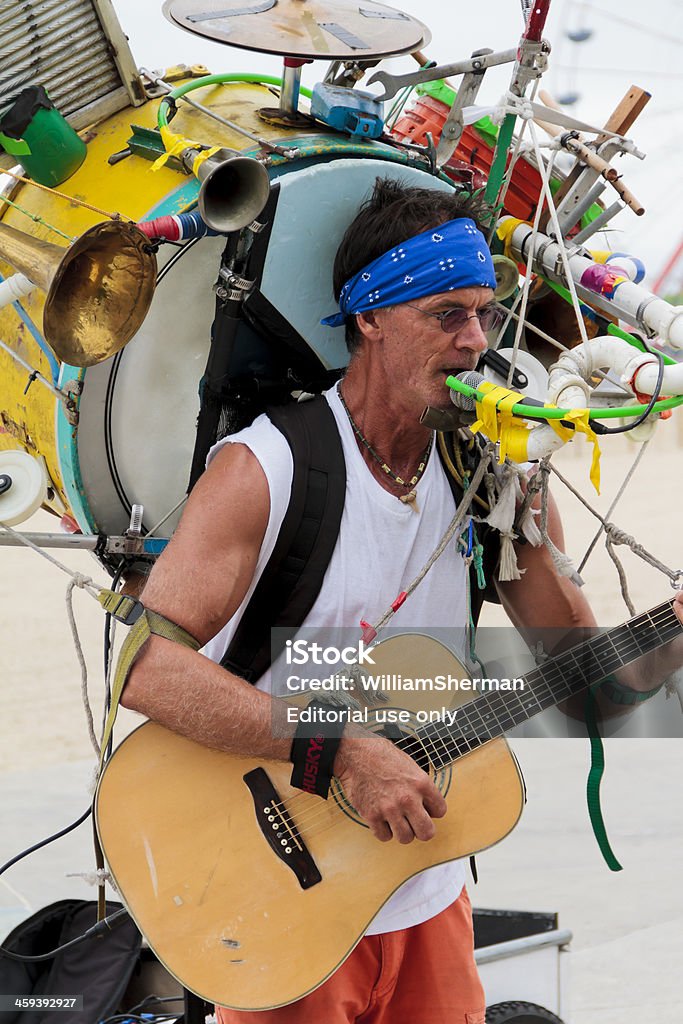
[{"x": 44, "y": 143}]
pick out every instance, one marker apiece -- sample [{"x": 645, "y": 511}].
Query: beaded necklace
[{"x": 411, "y": 497}]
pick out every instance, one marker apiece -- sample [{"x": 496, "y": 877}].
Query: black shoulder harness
[{"x": 293, "y": 577}]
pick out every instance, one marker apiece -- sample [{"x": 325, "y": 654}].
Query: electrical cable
[
  {"x": 69, "y": 828},
  {"x": 153, "y": 1000},
  {"x": 97, "y": 929},
  {"x": 550, "y": 413},
  {"x": 653, "y": 401},
  {"x": 108, "y": 619},
  {"x": 46, "y": 842}
]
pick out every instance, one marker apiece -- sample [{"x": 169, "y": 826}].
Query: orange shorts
[{"x": 420, "y": 975}]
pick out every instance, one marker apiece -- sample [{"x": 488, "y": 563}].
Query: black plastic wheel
[{"x": 519, "y": 1013}]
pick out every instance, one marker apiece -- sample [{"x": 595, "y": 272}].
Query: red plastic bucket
[{"x": 474, "y": 150}]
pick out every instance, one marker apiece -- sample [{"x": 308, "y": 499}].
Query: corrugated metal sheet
[{"x": 60, "y": 44}]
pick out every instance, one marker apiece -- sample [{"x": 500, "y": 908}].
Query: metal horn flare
[
  {"x": 234, "y": 190},
  {"x": 99, "y": 290}
]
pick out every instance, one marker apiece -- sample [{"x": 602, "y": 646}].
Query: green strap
[
  {"x": 594, "y": 780},
  {"x": 624, "y": 695},
  {"x": 146, "y": 623},
  {"x": 497, "y": 172}
]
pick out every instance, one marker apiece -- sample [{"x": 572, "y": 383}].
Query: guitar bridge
[{"x": 279, "y": 830}]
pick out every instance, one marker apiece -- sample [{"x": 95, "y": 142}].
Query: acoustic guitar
[{"x": 252, "y": 893}]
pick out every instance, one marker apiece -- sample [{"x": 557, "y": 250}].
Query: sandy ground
[{"x": 627, "y": 927}]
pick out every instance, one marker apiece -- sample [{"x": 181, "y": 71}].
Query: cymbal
[{"x": 310, "y": 29}]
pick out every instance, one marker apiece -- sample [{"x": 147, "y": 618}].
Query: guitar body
[{"x": 243, "y": 917}]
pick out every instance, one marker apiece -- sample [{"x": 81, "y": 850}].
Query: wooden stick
[{"x": 624, "y": 115}]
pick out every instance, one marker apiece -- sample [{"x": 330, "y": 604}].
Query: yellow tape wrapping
[
  {"x": 508, "y": 426},
  {"x": 487, "y": 417},
  {"x": 175, "y": 145},
  {"x": 201, "y": 157},
  {"x": 580, "y": 419},
  {"x": 498, "y": 402},
  {"x": 496, "y": 421},
  {"x": 504, "y": 232}
]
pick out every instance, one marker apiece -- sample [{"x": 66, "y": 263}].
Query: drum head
[
  {"x": 138, "y": 411},
  {"x": 313, "y": 29}
]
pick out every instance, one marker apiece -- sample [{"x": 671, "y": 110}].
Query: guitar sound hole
[{"x": 407, "y": 742}]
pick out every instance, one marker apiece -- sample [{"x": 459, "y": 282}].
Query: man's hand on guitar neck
[{"x": 389, "y": 790}]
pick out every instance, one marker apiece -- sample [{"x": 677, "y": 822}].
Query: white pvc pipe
[
  {"x": 15, "y": 287},
  {"x": 637, "y": 369},
  {"x": 543, "y": 441},
  {"x": 631, "y": 302},
  {"x": 645, "y": 380}
]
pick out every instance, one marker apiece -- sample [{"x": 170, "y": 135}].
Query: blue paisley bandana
[{"x": 454, "y": 255}]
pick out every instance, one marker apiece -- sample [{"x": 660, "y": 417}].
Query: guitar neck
[{"x": 494, "y": 713}]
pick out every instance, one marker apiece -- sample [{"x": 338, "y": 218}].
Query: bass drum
[
  {"x": 125, "y": 434},
  {"x": 138, "y": 411}
]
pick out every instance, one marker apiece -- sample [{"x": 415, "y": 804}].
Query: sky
[{"x": 628, "y": 43}]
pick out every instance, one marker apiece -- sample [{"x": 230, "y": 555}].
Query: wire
[
  {"x": 108, "y": 639},
  {"x": 624, "y": 428},
  {"x": 551, "y": 413},
  {"x": 46, "y": 842},
  {"x": 96, "y": 929},
  {"x": 153, "y": 1000}
]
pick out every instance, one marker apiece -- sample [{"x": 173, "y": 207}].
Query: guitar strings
[
  {"x": 414, "y": 744},
  {"x": 497, "y": 704}
]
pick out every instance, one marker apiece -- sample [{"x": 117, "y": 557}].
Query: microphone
[
  {"x": 474, "y": 379},
  {"x": 471, "y": 378}
]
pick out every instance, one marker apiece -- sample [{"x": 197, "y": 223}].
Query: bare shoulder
[{"x": 204, "y": 573}]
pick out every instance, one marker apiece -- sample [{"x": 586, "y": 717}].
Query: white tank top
[{"x": 382, "y": 546}]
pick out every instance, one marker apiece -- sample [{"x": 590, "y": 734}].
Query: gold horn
[
  {"x": 99, "y": 290},
  {"x": 234, "y": 190}
]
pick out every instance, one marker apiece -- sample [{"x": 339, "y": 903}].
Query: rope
[
  {"x": 558, "y": 234},
  {"x": 81, "y": 661},
  {"x": 454, "y": 528},
  {"x": 526, "y": 289},
  {"x": 35, "y": 218},
  {"x": 562, "y": 562},
  {"x": 620, "y": 494},
  {"x": 79, "y": 580},
  {"x": 83, "y": 583},
  {"x": 621, "y": 572},
  {"x": 69, "y": 199},
  {"x": 618, "y": 536}
]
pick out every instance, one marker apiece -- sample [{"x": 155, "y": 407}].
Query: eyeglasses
[{"x": 453, "y": 320}]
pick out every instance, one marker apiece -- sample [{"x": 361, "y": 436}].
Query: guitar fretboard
[{"x": 492, "y": 714}]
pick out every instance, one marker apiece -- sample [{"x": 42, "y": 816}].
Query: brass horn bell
[
  {"x": 99, "y": 290},
  {"x": 234, "y": 190}
]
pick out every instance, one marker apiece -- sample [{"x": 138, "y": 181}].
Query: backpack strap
[{"x": 291, "y": 581}]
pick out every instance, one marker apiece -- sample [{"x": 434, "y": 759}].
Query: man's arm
[
  {"x": 543, "y": 605},
  {"x": 200, "y": 582},
  {"x": 543, "y": 600}
]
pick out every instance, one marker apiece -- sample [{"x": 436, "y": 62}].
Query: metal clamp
[{"x": 233, "y": 280}]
